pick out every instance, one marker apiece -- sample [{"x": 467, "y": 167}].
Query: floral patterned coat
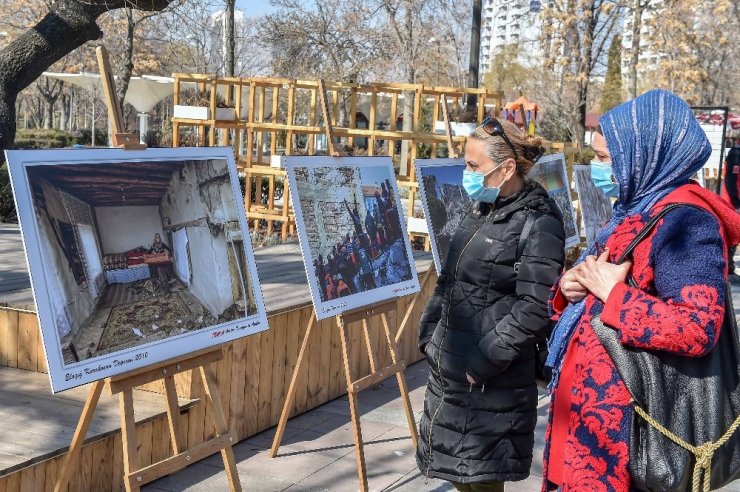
[{"x": 679, "y": 307}]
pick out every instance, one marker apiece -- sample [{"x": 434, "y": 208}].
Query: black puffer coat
[{"x": 484, "y": 319}]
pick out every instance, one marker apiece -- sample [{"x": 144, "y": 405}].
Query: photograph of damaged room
[
  {"x": 352, "y": 231},
  {"x": 136, "y": 253}
]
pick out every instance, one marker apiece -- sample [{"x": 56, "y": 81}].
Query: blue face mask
[
  {"x": 601, "y": 174},
  {"x": 473, "y": 184}
]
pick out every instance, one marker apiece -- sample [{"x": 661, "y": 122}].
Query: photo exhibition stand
[
  {"x": 123, "y": 385},
  {"x": 425, "y": 280},
  {"x": 377, "y": 374}
]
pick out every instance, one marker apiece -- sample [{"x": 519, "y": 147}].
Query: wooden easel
[
  {"x": 126, "y": 141},
  {"x": 377, "y": 374},
  {"x": 425, "y": 279},
  {"x": 123, "y": 385}
]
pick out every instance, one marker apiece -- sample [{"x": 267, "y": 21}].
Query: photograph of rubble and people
[
  {"x": 550, "y": 172},
  {"x": 352, "y": 223},
  {"x": 142, "y": 251},
  {"x": 596, "y": 207},
  {"x": 445, "y": 201}
]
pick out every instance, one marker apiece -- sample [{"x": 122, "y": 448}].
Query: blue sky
[{"x": 254, "y": 8}]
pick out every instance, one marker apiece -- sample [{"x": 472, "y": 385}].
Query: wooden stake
[
  {"x": 328, "y": 127},
  {"x": 448, "y": 129}
]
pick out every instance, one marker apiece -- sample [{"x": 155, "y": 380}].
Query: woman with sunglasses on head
[
  {"x": 650, "y": 147},
  {"x": 488, "y": 311}
]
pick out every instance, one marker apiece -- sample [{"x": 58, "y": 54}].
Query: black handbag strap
[
  {"x": 526, "y": 231},
  {"x": 648, "y": 228}
]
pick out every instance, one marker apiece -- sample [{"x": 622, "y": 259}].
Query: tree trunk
[
  {"x": 635, "y": 53},
  {"x": 67, "y": 26},
  {"x": 474, "y": 67},
  {"x": 410, "y": 76},
  {"x": 127, "y": 66},
  {"x": 230, "y": 42},
  {"x": 49, "y": 109}
]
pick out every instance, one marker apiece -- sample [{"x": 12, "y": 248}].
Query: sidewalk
[{"x": 318, "y": 451}]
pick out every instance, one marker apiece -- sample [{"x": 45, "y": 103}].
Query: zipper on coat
[{"x": 439, "y": 355}]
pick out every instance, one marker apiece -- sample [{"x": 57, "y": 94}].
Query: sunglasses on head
[{"x": 493, "y": 127}]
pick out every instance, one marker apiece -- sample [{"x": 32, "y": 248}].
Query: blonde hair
[{"x": 528, "y": 148}]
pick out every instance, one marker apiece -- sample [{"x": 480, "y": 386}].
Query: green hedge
[
  {"x": 7, "y": 207},
  {"x": 43, "y": 139}
]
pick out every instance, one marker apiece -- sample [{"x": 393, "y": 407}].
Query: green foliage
[
  {"x": 43, "y": 139},
  {"x": 612, "y": 93},
  {"x": 7, "y": 206}
]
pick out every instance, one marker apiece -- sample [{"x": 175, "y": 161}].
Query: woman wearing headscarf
[
  {"x": 654, "y": 146},
  {"x": 488, "y": 310}
]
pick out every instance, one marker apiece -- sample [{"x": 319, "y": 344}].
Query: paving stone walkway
[{"x": 318, "y": 451}]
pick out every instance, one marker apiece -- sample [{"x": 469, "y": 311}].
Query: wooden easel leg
[
  {"x": 288, "y": 405},
  {"x": 173, "y": 415},
  {"x": 407, "y": 316},
  {"x": 401, "y": 378},
  {"x": 354, "y": 413},
  {"x": 73, "y": 454},
  {"x": 220, "y": 423},
  {"x": 370, "y": 351},
  {"x": 128, "y": 433}
]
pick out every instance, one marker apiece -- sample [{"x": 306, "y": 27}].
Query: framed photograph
[
  {"x": 596, "y": 207},
  {"x": 135, "y": 256},
  {"x": 550, "y": 172},
  {"x": 444, "y": 199},
  {"x": 352, "y": 231}
]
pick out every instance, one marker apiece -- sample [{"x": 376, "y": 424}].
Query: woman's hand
[
  {"x": 599, "y": 276},
  {"x": 470, "y": 378},
  {"x": 571, "y": 288}
]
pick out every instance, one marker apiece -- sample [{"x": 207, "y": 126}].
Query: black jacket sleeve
[
  {"x": 433, "y": 311},
  {"x": 541, "y": 264}
]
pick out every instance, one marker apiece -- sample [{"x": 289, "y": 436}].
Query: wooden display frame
[
  {"x": 377, "y": 375},
  {"x": 124, "y": 384}
]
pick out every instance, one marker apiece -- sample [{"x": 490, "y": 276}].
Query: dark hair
[{"x": 528, "y": 148}]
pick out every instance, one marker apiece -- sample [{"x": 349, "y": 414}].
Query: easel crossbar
[
  {"x": 377, "y": 377},
  {"x": 149, "y": 374},
  {"x": 180, "y": 461}
]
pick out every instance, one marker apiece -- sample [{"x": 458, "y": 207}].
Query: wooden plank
[
  {"x": 376, "y": 377},
  {"x": 13, "y": 482},
  {"x": 336, "y": 377},
  {"x": 39, "y": 475},
  {"x": 279, "y": 328},
  {"x": 275, "y": 113},
  {"x": 313, "y": 119},
  {"x": 28, "y": 338},
  {"x": 28, "y": 479},
  {"x": 197, "y": 415},
  {"x": 315, "y": 354},
  {"x": 301, "y": 396},
  {"x": 102, "y": 464},
  {"x": 128, "y": 434},
  {"x": 293, "y": 343},
  {"x": 252, "y": 379},
  {"x": 144, "y": 443},
  {"x": 117, "y": 475},
  {"x": 10, "y": 344},
  {"x": 224, "y": 378},
  {"x": 323, "y": 373},
  {"x": 160, "y": 440},
  {"x": 50, "y": 474},
  {"x": 9, "y": 337},
  {"x": 237, "y": 422},
  {"x": 83, "y": 476},
  {"x": 264, "y": 412}
]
